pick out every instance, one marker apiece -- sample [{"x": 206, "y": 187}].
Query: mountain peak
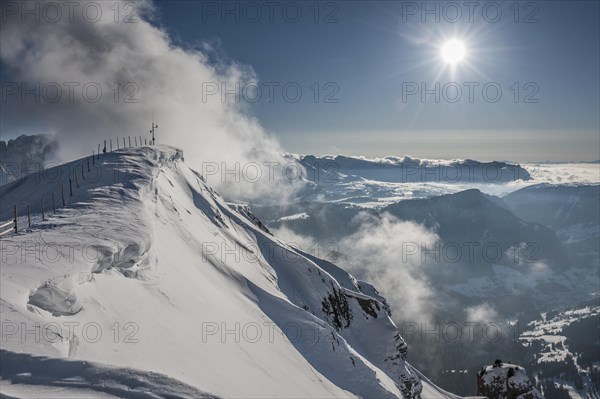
[{"x": 190, "y": 286}]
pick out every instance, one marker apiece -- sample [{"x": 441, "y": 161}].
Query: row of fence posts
[
  {"x": 13, "y": 224},
  {"x": 110, "y": 143}
]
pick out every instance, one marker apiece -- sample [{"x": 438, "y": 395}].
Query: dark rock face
[
  {"x": 336, "y": 308},
  {"x": 505, "y": 381},
  {"x": 245, "y": 210}
]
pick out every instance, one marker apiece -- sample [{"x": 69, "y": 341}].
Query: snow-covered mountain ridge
[
  {"x": 327, "y": 169},
  {"x": 149, "y": 269}
]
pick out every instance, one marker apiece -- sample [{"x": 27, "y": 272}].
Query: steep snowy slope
[{"x": 148, "y": 269}]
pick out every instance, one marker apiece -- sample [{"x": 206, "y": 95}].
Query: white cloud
[
  {"x": 169, "y": 81},
  {"x": 483, "y": 313},
  {"x": 382, "y": 252}
]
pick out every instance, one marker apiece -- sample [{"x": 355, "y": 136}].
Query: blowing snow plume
[
  {"x": 90, "y": 71},
  {"x": 25, "y": 154}
]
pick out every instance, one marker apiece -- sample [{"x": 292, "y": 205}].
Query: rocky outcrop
[
  {"x": 245, "y": 210},
  {"x": 505, "y": 381}
]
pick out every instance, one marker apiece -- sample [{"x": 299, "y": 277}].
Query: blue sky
[
  {"x": 370, "y": 51},
  {"x": 529, "y": 81}
]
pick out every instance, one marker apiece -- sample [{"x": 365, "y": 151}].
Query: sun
[{"x": 453, "y": 51}]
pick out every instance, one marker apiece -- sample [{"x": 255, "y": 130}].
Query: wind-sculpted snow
[
  {"x": 25, "y": 375},
  {"x": 148, "y": 268}
]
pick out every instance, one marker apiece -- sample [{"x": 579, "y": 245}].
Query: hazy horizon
[{"x": 353, "y": 78}]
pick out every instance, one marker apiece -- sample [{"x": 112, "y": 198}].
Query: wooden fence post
[
  {"x": 140, "y": 140},
  {"x": 129, "y": 140},
  {"x": 76, "y": 180},
  {"x": 88, "y": 162},
  {"x": 53, "y": 205},
  {"x": 71, "y": 186},
  {"x": 135, "y": 138},
  {"x": 145, "y": 141},
  {"x": 43, "y": 216},
  {"x": 110, "y": 140},
  {"x": 15, "y": 213},
  {"x": 118, "y": 143},
  {"x": 62, "y": 193},
  {"x": 28, "y": 216}
]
